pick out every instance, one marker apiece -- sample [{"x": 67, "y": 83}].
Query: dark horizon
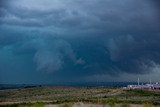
[{"x": 80, "y": 84}]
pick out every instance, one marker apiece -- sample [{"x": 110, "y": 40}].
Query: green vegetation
[
  {"x": 143, "y": 93},
  {"x": 38, "y": 96}
]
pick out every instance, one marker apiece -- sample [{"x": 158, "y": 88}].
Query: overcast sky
[{"x": 54, "y": 41}]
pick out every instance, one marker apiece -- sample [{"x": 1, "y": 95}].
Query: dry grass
[{"x": 72, "y": 94}]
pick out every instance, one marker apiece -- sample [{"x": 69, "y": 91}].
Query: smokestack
[
  {"x": 150, "y": 81},
  {"x": 138, "y": 81}
]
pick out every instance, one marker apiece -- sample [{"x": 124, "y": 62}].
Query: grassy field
[{"x": 58, "y": 95}]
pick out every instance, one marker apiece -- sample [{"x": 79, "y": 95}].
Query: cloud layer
[{"x": 78, "y": 39}]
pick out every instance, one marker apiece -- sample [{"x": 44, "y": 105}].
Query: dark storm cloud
[
  {"x": 68, "y": 40},
  {"x": 156, "y": 4},
  {"x": 4, "y": 3},
  {"x": 51, "y": 58},
  {"x": 86, "y": 16},
  {"x": 135, "y": 54}
]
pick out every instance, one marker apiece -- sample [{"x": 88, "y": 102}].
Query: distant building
[
  {"x": 150, "y": 86},
  {"x": 156, "y": 86}
]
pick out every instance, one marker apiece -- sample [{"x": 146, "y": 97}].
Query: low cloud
[
  {"x": 50, "y": 56},
  {"x": 134, "y": 53}
]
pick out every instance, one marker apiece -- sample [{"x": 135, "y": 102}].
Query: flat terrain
[{"x": 78, "y": 94}]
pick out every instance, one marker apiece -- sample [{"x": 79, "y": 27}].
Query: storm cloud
[{"x": 78, "y": 39}]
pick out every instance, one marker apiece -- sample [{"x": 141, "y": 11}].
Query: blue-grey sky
[{"x": 54, "y": 41}]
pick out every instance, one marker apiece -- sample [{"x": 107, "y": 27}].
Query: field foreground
[{"x": 57, "y": 95}]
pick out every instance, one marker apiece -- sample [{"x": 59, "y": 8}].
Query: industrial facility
[{"x": 148, "y": 86}]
